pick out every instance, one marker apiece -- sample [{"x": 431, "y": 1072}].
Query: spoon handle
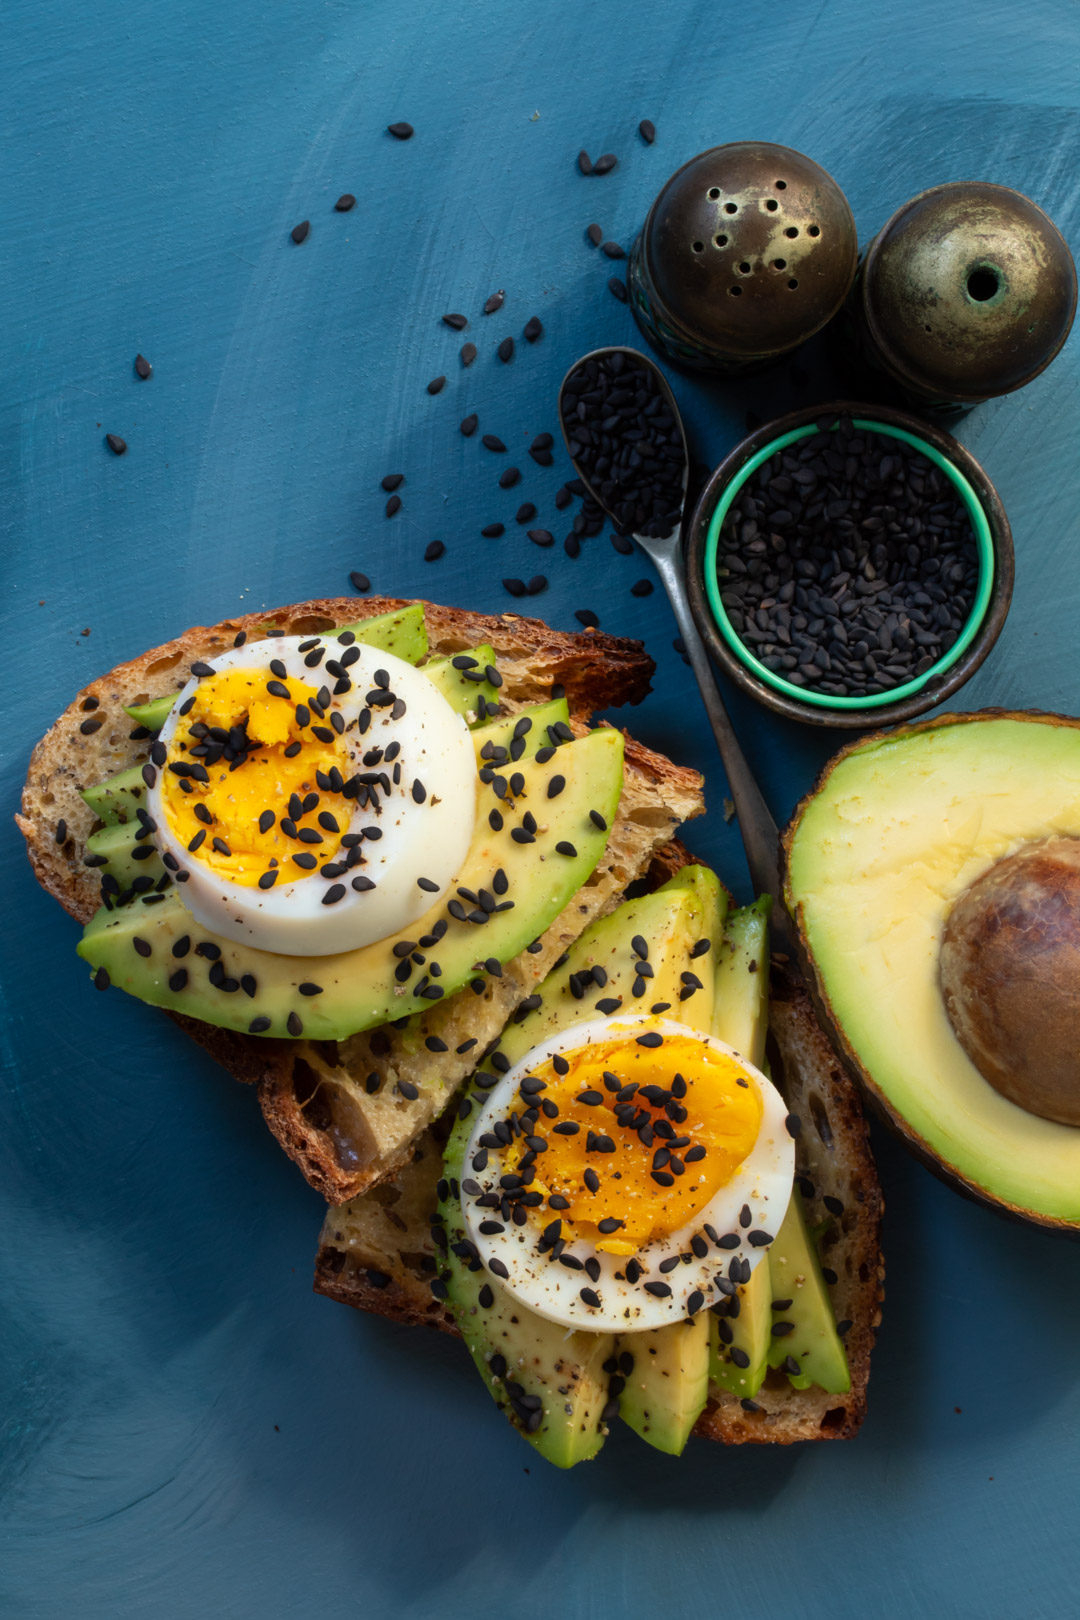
[{"x": 760, "y": 835}]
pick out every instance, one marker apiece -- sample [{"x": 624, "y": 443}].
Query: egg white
[
  {"x": 762, "y": 1183},
  {"x": 428, "y": 840}
]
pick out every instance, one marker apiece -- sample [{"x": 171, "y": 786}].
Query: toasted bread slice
[
  {"x": 376, "y": 1253},
  {"x": 335, "y": 1106}
]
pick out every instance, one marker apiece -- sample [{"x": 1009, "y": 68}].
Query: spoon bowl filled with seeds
[{"x": 850, "y": 565}]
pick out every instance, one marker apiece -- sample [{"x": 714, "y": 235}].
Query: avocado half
[{"x": 900, "y": 824}]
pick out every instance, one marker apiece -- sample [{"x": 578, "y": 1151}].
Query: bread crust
[
  {"x": 379, "y": 1256},
  {"x": 312, "y": 1095}
]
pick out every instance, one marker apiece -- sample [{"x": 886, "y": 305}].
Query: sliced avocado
[
  {"x": 118, "y": 799},
  {"x": 138, "y": 944},
  {"x": 703, "y": 882},
  {"x": 803, "y": 1328},
  {"x": 152, "y": 715},
  {"x": 465, "y": 695},
  {"x": 124, "y": 856},
  {"x": 741, "y": 1338},
  {"x": 511, "y": 732},
  {"x": 670, "y": 921},
  {"x": 666, "y": 1392},
  {"x": 899, "y": 827},
  {"x": 523, "y": 1358},
  {"x": 741, "y": 1326},
  {"x": 402, "y": 632},
  {"x": 668, "y": 1384},
  {"x": 741, "y": 983},
  {"x": 601, "y": 972}
]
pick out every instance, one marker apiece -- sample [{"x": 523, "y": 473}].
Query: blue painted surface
[{"x": 187, "y": 1430}]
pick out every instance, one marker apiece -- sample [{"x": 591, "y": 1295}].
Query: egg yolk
[
  {"x": 252, "y": 781},
  {"x": 659, "y": 1130}
]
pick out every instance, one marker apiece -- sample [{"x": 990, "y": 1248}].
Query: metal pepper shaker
[
  {"x": 747, "y": 251},
  {"x": 968, "y": 291}
]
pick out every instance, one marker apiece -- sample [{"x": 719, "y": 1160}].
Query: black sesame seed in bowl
[{"x": 849, "y": 565}]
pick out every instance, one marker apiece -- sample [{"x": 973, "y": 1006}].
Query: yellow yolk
[
  {"x": 235, "y": 798},
  {"x": 715, "y": 1104}
]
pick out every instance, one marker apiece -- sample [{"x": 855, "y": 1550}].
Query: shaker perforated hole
[
  {"x": 735, "y": 291},
  {"x": 793, "y": 284},
  {"x": 714, "y": 193},
  {"x": 699, "y": 247},
  {"x": 781, "y": 185},
  {"x": 982, "y": 284},
  {"x": 744, "y": 268},
  {"x": 792, "y": 230},
  {"x": 779, "y": 264},
  {"x": 731, "y": 208},
  {"x": 813, "y": 230},
  {"x": 721, "y": 241},
  {"x": 771, "y": 204}
]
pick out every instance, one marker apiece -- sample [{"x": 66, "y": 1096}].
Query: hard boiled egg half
[
  {"x": 311, "y": 795},
  {"x": 627, "y": 1173}
]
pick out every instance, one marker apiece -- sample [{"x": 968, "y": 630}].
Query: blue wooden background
[{"x": 186, "y": 1429}]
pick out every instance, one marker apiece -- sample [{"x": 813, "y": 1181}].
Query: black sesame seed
[
  {"x": 434, "y": 550},
  {"x": 495, "y": 302},
  {"x": 613, "y": 250},
  {"x": 359, "y": 582},
  {"x": 505, "y": 351},
  {"x": 533, "y": 329},
  {"x": 536, "y": 585},
  {"x": 469, "y": 425},
  {"x": 605, "y": 164},
  {"x": 436, "y": 385},
  {"x": 514, "y": 587},
  {"x": 618, "y": 290},
  {"x": 300, "y": 233},
  {"x": 584, "y": 162},
  {"x": 642, "y": 587},
  {"x": 393, "y": 506},
  {"x": 468, "y": 353},
  {"x": 143, "y": 368},
  {"x": 400, "y": 131},
  {"x": 510, "y": 477},
  {"x": 345, "y": 202},
  {"x": 647, "y": 131},
  {"x": 456, "y": 323}
]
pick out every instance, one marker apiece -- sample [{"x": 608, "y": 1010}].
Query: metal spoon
[{"x": 760, "y": 835}]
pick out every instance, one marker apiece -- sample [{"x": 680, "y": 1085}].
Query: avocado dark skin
[{"x": 1010, "y": 976}]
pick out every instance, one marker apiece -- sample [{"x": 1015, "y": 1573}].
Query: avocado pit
[{"x": 1010, "y": 976}]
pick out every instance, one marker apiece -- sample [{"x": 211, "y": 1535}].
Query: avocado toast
[
  {"x": 348, "y": 1109},
  {"x": 779, "y": 1354}
]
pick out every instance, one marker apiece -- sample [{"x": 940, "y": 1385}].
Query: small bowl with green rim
[{"x": 959, "y": 661}]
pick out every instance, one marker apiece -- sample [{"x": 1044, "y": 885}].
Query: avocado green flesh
[
  {"x": 745, "y": 1338},
  {"x": 671, "y": 921},
  {"x": 565, "y": 1370},
  {"x": 463, "y": 695},
  {"x": 741, "y": 984},
  {"x": 359, "y": 988},
  {"x": 500, "y": 733},
  {"x": 571, "y": 1364},
  {"x": 666, "y": 1390},
  {"x": 117, "y": 799},
  {"x": 741, "y": 1018},
  {"x": 795, "y": 1275},
  {"x": 152, "y": 715},
  {"x": 668, "y": 1385},
  {"x": 126, "y": 857},
  {"x": 897, "y": 830},
  {"x": 402, "y": 633}
]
